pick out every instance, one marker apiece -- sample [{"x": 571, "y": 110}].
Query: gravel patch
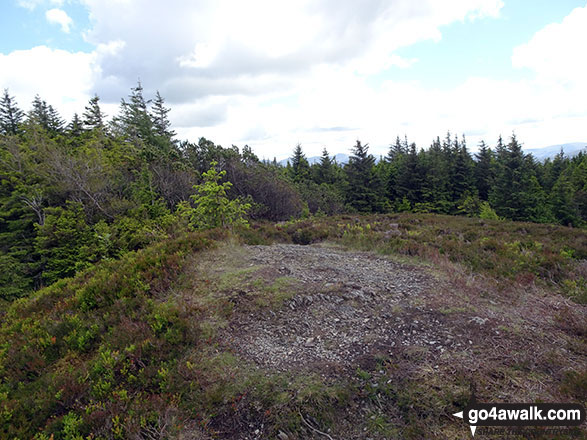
[{"x": 350, "y": 307}]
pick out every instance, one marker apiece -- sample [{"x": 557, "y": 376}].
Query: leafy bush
[{"x": 213, "y": 208}]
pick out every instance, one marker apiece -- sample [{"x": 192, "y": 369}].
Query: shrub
[{"x": 213, "y": 208}]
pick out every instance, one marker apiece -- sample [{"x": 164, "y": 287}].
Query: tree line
[
  {"x": 446, "y": 178},
  {"x": 73, "y": 193}
]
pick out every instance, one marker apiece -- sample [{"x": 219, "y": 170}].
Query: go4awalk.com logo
[{"x": 522, "y": 415}]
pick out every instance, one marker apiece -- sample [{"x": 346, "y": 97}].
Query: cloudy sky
[{"x": 273, "y": 73}]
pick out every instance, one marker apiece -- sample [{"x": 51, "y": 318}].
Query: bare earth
[{"x": 342, "y": 310}]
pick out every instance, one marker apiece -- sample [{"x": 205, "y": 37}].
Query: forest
[{"x": 74, "y": 193}]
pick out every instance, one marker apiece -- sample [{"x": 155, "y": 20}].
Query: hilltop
[{"x": 350, "y": 327}]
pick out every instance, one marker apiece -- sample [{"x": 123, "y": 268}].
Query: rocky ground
[
  {"x": 350, "y": 306},
  {"x": 341, "y": 311}
]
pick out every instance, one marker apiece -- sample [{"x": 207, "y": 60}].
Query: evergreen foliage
[
  {"x": 93, "y": 118},
  {"x": 10, "y": 115},
  {"x": 213, "y": 208},
  {"x": 71, "y": 196},
  {"x": 364, "y": 189},
  {"x": 300, "y": 168}
]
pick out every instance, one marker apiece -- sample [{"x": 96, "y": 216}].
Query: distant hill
[
  {"x": 340, "y": 158},
  {"x": 571, "y": 149}
]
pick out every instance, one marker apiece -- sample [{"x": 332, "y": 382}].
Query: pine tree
[
  {"x": 325, "y": 171},
  {"x": 134, "y": 122},
  {"x": 75, "y": 127},
  {"x": 562, "y": 201},
  {"x": 484, "y": 174},
  {"x": 300, "y": 168},
  {"x": 161, "y": 124},
  {"x": 93, "y": 118},
  {"x": 435, "y": 183},
  {"x": 395, "y": 151},
  {"x": 10, "y": 115},
  {"x": 462, "y": 177},
  {"x": 364, "y": 190},
  {"x": 517, "y": 195},
  {"x": 409, "y": 178},
  {"x": 45, "y": 116}
]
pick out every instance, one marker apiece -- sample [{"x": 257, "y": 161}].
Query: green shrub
[{"x": 213, "y": 209}]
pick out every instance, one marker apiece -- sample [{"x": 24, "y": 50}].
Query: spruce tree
[
  {"x": 517, "y": 195},
  {"x": 395, "y": 151},
  {"x": 300, "y": 168},
  {"x": 563, "y": 203},
  {"x": 134, "y": 122},
  {"x": 462, "y": 177},
  {"x": 435, "y": 182},
  {"x": 75, "y": 127},
  {"x": 364, "y": 190},
  {"x": 159, "y": 116},
  {"x": 325, "y": 171},
  {"x": 39, "y": 114},
  {"x": 484, "y": 174},
  {"x": 409, "y": 178},
  {"x": 10, "y": 115},
  {"x": 45, "y": 116},
  {"x": 55, "y": 122},
  {"x": 93, "y": 118}
]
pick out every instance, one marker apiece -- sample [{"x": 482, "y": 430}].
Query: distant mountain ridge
[
  {"x": 340, "y": 158},
  {"x": 570, "y": 149}
]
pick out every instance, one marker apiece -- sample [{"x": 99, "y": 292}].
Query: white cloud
[
  {"x": 272, "y": 74},
  {"x": 62, "y": 78},
  {"x": 33, "y": 4},
  {"x": 552, "y": 52},
  {"x": 168, "y": 42},
  {"x": 60, "y": 17}
]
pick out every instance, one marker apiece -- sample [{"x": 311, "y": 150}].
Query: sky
[{"x": 322, "y": 73}]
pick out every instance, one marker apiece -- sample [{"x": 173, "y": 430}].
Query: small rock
[
  {"x": 478, "y": 320},
  {"x": 282, "y": 436}
]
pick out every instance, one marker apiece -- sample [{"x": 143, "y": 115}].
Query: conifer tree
[
  {"x": 93, "y": 118},
  {"x": 395, "y": 151},
  {"x": 55, "y": 122},
  {"x": 562, "y": 202},
  {"x": 134, "y": 122},
  {"x": 300, "y": 168},
  {"x": 517, "y": 195},
  {"x": 45, "y": 116},
  {"x": 39, "y": 113},
  {"x": 462, "y": 178},
  {"x": 484, "y": 171},
  {"x": 10, "y": 115},
  {"x": 435, "y": 182},
  {"x": 364, "y": 189},
  {"x": 159, "y": 116},
  {"x": 75, "y": 127},
  {"x": 325, "y": 171},
  {"x": 409, "y": 178}
]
